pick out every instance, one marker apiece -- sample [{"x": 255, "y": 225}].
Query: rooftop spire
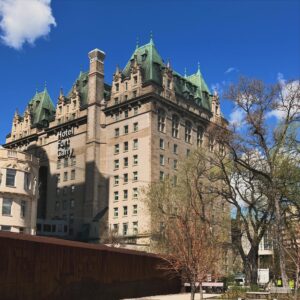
[
  {"x": 151, "y": 38},
  {"x": 137, "y": 42},
  {"x": 198, "y": 70},
  {"x": 45, "y": 86},
  {"x": 185, "y": 73},
  {"x": 61, "y": 92}
]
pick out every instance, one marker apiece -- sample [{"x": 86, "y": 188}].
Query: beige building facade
[
  {"x": 102, "y": 144},
  {"x": 18, "y": 191}
]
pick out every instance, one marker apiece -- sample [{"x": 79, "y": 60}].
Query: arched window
[
  {"x": 188, "y": 131},
  {"x": 199, "y": 136},
  {"x": 175, "y": 126},
  {"x": 161, "y": 120}
]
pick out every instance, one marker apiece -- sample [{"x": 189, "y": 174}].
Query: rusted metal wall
[{"x": 49, "y": 269}]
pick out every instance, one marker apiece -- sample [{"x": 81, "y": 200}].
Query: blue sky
[{"x": 257, "y": 38}]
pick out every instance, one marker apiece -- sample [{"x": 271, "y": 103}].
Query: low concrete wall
[{"x": 48, "y": 269}]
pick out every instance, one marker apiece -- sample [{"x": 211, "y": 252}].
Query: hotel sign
[{"x": 64, "y": 149}]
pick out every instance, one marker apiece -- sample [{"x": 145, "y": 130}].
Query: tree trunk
[
  {"x": 296, "y": 282},
  {"x": 279, "y": 243},
  {"x": 193, "y": 289},
  {"x": 200, "y": 290},
  {"x": 251, "y": 266}
]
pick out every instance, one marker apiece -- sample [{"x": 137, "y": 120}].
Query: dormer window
[
  {"x": 117, "y": 87},
  {"x": 135, "y": 79},
  {"x": 60, "y": 109},
  {"x": 126, "y": 86},
  {"x": 169, "y": 83}
]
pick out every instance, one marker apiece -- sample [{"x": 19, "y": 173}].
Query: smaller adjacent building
[{"x": 18, "y": 191}]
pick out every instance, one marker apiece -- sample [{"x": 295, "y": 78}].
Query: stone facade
[
  {"x": 102, "y": 144},
  {"x": 18, "y": 191}
]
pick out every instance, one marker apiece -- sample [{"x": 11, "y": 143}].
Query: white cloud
[
  {"x": 237, "y": 117},
  {"x": 231, "y": 69},
  {"x": 24, "y": 21}
]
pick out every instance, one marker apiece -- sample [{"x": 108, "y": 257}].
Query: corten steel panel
[{"x": 48, "y": 269}]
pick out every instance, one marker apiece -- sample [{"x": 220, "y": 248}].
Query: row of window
[
  {"x": 10, "y": 180},
  {"x": 65, "y": 177},
  {"x": 65, "y": 190},
  {"x": 117, "y": 85},
  {"x": 162, "y": 161},
  {"x": 161, "y": 126},
  {"x": 66, "y": 162},
  {"x": 125, "y": 228},
  {"x": 7, "y": 207},
  {"x": 135, "y": 144},
  {"x": 126, "y": 129},
  {"x": 64, "y": 204},
  {"x": 125, "y": 211},
  {"x": 163, "y": 176},
  {"x": 126, "y": 113},
  {"x": 125, "y": 194}
]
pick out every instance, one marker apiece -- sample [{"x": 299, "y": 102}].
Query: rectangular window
[
  {"x": 57, "y": 178},
  {"x": 116, "y": 228},
  {"x": 65, "y": 176},
  {"x": 116, "y": 179},
  {"x": 125, "y": 146},
  {"x": 188, "y": 131},
  {"x": 135, "y": 127},
  {"x": 135, "y": 110},
  {"x": 161, "y": 160},
  {"x": 135, "y": 79},
  {"x": 10, "y": 177},
  {"x": 135, "y": 228},
  {"x": 66, "y": 162},
  {"x": 126, "y": 113},
  {"x": 117, "y": 149},
  {"x": 117, "y": 87},
  {"x": 6, "y": 207},
  {"x": 134, "y": 209},
  {"x": 135, "y": 160},
  {"x": 188, "y": 152},
  {"x": 135, "y": 144},
  {"x": 175, "y": 149},
  {"x": 161, "y": 120},
  {"x": 175, "y": 126},
  {"x": 134, "y": 94},
  {"x": 126, "y": 129},
  {"x": 65, "y": 190},
  {"x": 117, "y": 116},
  {"x": 116, "y": 212},
  {"x": 72, "y": 203},
  {"x": 161, "y": 175},
  {"x": 116, "y": 196},
  {"x": 161, "y": 144},
  {"x": 174, "y": 180},
  {"x": 73, "y": 161},
  {"x": 72, "y": 188},
  {"x": 199, "y": 136},
  {"x": 135, "y": 176},
  {"x": 116, "y": 164},
  {"x": 125, "y": 228},
  {"x": 135, "y": 193},
  {"x": 125, "y": 211},
  {"x": 64, "y": 204},
  {"x": 73, "y": 175},
  {"x": 23, "y": 209},
  {"x": 175, "y": 162},
  {"x": 5, "y": 228},
  {"x": 211, "y": 144},
  {"x": 125, "y": 178},
  {"x": 117, "y": 132},
  {"x": 58, "y": 166},
  {"x": 26, "y": 181},
  {"x": 57, "y": 191},
  {"x": 125, "y": 160},
  {"x": 125, "y": 194},
  {"x": 116, "y": 100}
]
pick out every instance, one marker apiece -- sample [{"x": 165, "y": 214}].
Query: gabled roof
[{"x": 41, "y": 109}]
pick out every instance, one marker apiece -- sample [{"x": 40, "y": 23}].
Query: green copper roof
[
  {"x": 41, "y": 109},
  {"x": 191, "y": 87}
]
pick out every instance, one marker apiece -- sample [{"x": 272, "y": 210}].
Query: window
[
  {"x": 188, "y": 152},
  {"x": 10, "y": 177},
  {"x": 125, "y": 176},
  {"x": 65, "y": 190},
  {"x": 117, "y": 116},
  {"x": 135, "y": 110},
  {"x": 221, "y": 149},
  {"x": 58, "y": 178},
  {"x": 161, "y": 175},
  {"x": 125, "y": 160},
  {"x": 58, "y": 166},
  {"x": 26, "y": 181},
  {"x": 134, "y": 209},
  {"x": 116, "y": 164},
  {"x": 135, "y": 228},
  {"x": 5, "y": 228},
  {"x": 135, "y": 160},
  {"x": 135, "y": 176},
  {"x": 57, "y": 191},
  {"x": 161, "y": 144},
  {"x": 117, "y": 149},
  {"x": 64, "y": 204},
  {"x": 72, "y": 188},
  {"x": 125, "y": 228},
  {"x": 126, "y": 112},
  {"x": 161, "y": 120},
  {"x": 175, "y": 149},
  {"x": 135, "y": 144},
  {"x": 174, "y": 180},
  {"x": 66, "y": 162},
  {"x": 116, "y": 100},
  {"x": 134, "y": 94},
  {"x": 72, "y": 203},
  {"x": 161, "y": 160},
  {"x": 116, "y": 196},
  {"x": 115, "y": 228},
  {"x": 73, "y": 161},
  {"x": 135, "y": 193},
  {"x": 72, "y": 174},
  {"x": 116, "y": 212},
  {"x": 126, "y": 129},
  {"x": 116, "y": 179},
  {"x": 211, "y": 144},
  {"x": 117, "y": 132},
  {"x": 175, "y": 126},
  {"x": 125, "y": 194},
  {"x": 125, "y": 146},
  {"x": 23, "y": 209},
  {"x": 135, "y": 79},
  {"x": 117, "y": 87},
  {"x": 175, "y": 164},
  {"x": 135, "y": 127},
  {"x": 65, "y": 176},
  {"x": 125, "y": 211},
  {"x": 6, "y": 207},
  {"x": 188, "y": 131},
  {"x": 199, "y": 136}
]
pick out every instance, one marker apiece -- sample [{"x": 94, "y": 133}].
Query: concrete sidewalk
[{"x": 184, "y": 296}]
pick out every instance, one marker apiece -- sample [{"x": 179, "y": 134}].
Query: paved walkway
[{"x": 185, "y": 296}]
